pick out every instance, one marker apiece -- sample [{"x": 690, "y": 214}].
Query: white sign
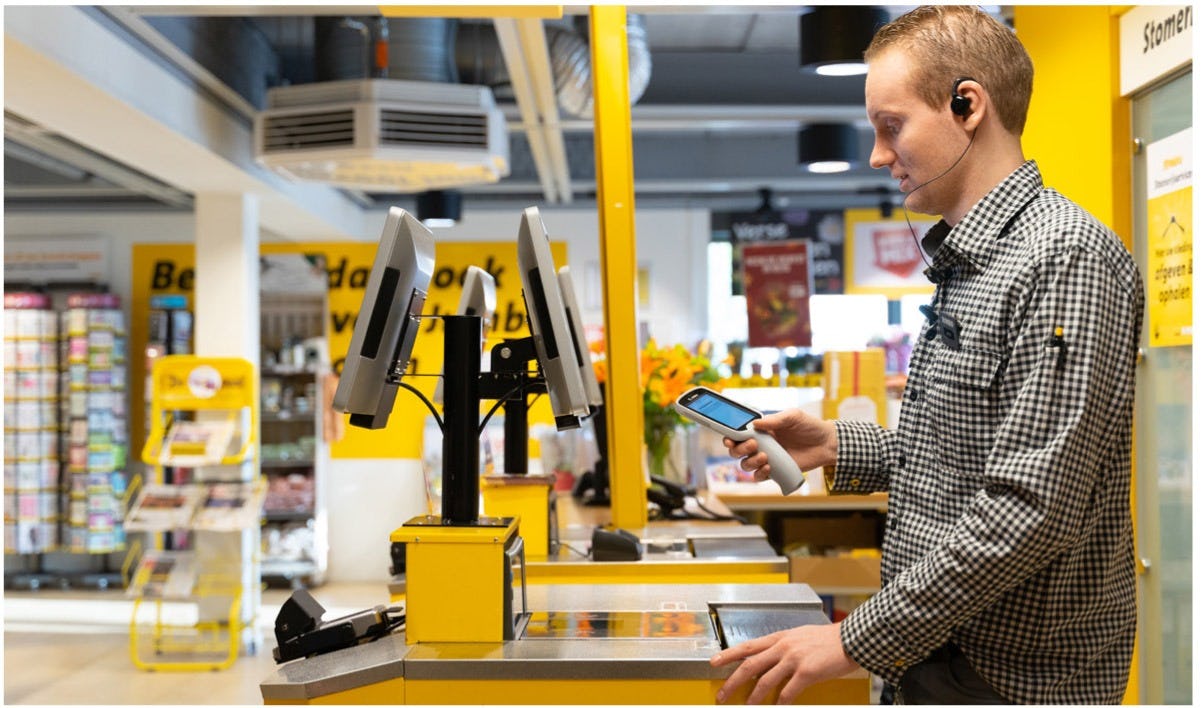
[
  {"x": 81, "y": 259},
  {"x": 1154, "y": 41}
]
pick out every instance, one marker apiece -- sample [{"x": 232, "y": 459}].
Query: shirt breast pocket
[{"x": 964, "y": 408}]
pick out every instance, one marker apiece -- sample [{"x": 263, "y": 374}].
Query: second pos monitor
[{"x": 388, "y": 321}]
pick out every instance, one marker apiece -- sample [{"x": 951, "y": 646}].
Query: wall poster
[
  {"x": 777, "y": 286},
  {"x": 1168, "y": 239},
  {"x": 882, "y": 256}
]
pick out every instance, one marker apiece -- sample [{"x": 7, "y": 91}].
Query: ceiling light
[
  {"x": 827, "y": 147},
  {"x": 852, "y": 68},
  {"x": 832, "y": 38},
  {"x": 828, "y": 166},
  {"x": 439, "y": 208}
]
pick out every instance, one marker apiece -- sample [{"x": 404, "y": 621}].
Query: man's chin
[{"x": 916, "y": 204}]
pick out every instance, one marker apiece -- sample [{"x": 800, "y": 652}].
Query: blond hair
[{"x": 946, "y": 42}]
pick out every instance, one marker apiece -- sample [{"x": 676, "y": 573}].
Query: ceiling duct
[
  {"x": 479, "y": 59},
  {"x": 571, "y": 66},
  {"x": 410, "y": 134}
]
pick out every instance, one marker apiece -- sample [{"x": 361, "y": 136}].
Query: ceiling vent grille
[
  {"x": 433, "y": 129},
  {"x": 309, "y": 130},
  {"x": 384, "y": 135}
]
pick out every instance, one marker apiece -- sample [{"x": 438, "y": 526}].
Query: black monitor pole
[
  {"x": 461, "y": 407},
  {"x": 464, "y": 387}
]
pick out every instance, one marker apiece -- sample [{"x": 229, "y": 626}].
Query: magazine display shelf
[{"x": 194, "y": 609}]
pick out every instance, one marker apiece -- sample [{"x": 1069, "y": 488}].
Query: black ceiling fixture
[
  {"x": 825, "y": 148},
  {"x": 439, "y": 208},
  {"x": 832, "y": 38}
]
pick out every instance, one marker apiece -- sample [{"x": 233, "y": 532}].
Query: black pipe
[{"x": 461, "y": 408}]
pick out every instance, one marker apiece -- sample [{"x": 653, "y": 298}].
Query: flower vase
[{"x": 659, "y": 446}]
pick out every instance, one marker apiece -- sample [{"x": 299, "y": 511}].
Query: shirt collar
[{"x": 973, "y": 239}]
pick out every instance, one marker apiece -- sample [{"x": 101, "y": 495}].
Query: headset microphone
[
  {"x": 947, "y": 169},
  {"x": 960, "y": 105}
]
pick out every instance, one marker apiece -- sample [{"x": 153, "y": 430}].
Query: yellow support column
[
  {"x": 616, "y": 220},
  {"x": 1089, "y": 161}
]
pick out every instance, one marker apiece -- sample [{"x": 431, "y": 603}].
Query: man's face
[{"x": 913, "y": 140}]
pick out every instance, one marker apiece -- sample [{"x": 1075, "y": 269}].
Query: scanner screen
[{"x": 722, "y": 411}]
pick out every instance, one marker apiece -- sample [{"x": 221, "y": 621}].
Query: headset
[{"x": 959, "y": 104}]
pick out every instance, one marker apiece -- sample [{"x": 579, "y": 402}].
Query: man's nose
[{"x": 880, "y": 156}]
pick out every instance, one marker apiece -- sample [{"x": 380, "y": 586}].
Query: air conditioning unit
[{"x": 384, "y": 134}]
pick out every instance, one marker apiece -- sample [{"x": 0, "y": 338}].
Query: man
[{"x": 1007, "y": 567}]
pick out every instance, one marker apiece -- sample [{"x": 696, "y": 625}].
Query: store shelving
[{"x": 293, "y": 455}]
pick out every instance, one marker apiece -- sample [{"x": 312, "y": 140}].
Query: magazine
[
  {"x": 163, "y": 507},
  {"x": 164, "y": 574},
  {"x": 229, "y": 506},
  {"x": 194, "y": 443}
]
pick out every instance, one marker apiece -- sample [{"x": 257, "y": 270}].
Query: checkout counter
[
  {"x": 487, "y": 624},
  {"x": 599, "y": 644}
]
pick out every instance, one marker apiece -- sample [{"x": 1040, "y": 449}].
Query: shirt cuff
[
  {"x": 870, "y": 640},
  {"x": 860, "y": 462}
]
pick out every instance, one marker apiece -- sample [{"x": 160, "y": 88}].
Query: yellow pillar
[
  {"x": 1078, "y": 127},
  {"x": 616, "y": 216},
  {"x": 1078, "y": 124}
]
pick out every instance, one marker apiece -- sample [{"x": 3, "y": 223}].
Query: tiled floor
[{"x": 72, "y": 648}]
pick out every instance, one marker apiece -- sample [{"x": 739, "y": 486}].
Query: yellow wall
[{"x": 1078, "y": 125}]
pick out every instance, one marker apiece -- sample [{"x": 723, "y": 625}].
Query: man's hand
[
  {"x": 810, "y": 441},
  {"x": 793, "y": 659}
]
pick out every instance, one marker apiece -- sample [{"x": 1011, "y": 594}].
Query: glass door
[{"x": 1163, "y": 436}]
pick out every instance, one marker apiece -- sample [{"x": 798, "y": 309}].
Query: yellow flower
[{"x": 665, "y": 374}]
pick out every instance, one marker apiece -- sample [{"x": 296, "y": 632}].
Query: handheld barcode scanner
[{"x": 734, "y": 420}]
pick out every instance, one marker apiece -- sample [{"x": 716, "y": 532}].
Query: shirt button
[
  {"x": 900, "y": 663},
  {"x": 854, "y": 483},
  {"x": 913, "y": 394},
  {"x": 894, "y": 522},
  {"x": 902, "y": 460}
]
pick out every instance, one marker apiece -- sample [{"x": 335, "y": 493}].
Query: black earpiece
[{"x": 959, "y": 104}]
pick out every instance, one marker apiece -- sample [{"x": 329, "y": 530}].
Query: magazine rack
[
  {"x": 163, "y": 634},
  {"x": 195, "y": 608}
]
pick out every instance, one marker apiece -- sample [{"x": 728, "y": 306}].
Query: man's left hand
[{"x": 793, "y": 659}]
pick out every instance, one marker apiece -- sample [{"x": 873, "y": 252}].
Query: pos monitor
[
  {"x": 593, "y": 392},
  {"x": 387, "y": 324},
  {"x": 547, "y": 317}
]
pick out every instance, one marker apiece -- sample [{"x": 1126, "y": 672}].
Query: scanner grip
[{"x": 782, "y": 467}]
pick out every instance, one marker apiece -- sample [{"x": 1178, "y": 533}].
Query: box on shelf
[
  {"x": 854, "y": 386},
  {"x": 847, "y": 571}
]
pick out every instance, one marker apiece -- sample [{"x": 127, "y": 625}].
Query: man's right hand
[{"x": 810, "y": 441}]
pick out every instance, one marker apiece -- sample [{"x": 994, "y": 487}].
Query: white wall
[{"x": 367, "y": 499}]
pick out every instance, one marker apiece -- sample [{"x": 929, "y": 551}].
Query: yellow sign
[
  {"x": 159, "y": 269},
  {"x": 1169, "y": 241},
  {"x": 882, "y": 256}
]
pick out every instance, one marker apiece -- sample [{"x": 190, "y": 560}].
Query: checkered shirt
[{"x": 1008, "y": 527}]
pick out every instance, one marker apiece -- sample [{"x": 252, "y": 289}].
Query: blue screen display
[{"x": 722, "y": 411}]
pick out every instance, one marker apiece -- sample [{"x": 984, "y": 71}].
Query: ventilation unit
[{"x": 384, "y": 134}]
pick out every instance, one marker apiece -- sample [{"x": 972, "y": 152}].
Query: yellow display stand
[
  {"x": 530, "y": 499},
  {"x": 203, "y": 414},
  {"x": 460, "y": 579}
]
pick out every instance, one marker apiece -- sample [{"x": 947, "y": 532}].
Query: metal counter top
[{"x": 542, "y": 658}]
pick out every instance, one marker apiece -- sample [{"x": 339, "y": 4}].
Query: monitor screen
[
  {"x": 479, "y": 297},
  {"x": 387, "y": 324},
  {"x": 593, "y": 392},
  {"x": 549, "y": 324}
]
